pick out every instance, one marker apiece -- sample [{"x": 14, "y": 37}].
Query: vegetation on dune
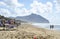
[{"x": 2, "y": 17}]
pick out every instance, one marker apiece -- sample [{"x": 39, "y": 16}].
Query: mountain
[{"x": 33, "y": 18}]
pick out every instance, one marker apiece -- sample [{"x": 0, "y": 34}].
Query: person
[
  {"x": 51, "y": 26},
  {"x": 8, "y": 21},
  {"x": 0, "y": 23},
  {"x": 3, "y": 23}
]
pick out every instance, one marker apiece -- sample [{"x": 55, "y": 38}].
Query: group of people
[
  {"x": 4, "y": 23},
  {"x": 51, "y": 26}
]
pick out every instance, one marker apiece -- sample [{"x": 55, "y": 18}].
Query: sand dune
[{"x": 28, "y": 31}]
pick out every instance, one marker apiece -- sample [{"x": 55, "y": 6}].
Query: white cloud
[
  {"x": 57, "y": 6},
  {"x": 55, "y": 16},
  {"x": 19, "y": 9},
  {"x": 13, "y": 2},
  {"x": 22, "y": 12},
  {"x": 2, "y": 3},
  {"x": 38, "y": 7},
  {"x": 5, "y": 12},
  {"x": 49, "y": 7},
  {"x": 15, "y": 7},
  {"x": 16, "y": 3},
  {"x": 46, "y": 10}
]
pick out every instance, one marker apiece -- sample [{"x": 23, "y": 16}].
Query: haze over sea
[{"x": 46, "y": 25}]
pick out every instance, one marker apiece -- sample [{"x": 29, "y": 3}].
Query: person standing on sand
[{"x": 51, "y": 26}]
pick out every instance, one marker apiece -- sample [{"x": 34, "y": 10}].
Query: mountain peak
[
  {"x": 33, "y": 18},
  {"x": 33, "y": 14}
]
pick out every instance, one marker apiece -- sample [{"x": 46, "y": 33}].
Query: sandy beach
[{"x": 28, "y": 31}]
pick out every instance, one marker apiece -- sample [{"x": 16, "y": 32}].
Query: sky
[{"x": 49, "y": 9}]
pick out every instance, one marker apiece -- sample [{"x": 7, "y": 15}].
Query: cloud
[
  {"x": 55, "y": 16},
  {"x": 22, "y": 12},
  {"x": 13, "y": 6},
  {"x": 45, "y": 10},
  {"x": 38, "y": 7},
  {"x": 16, "y": 8},
  {"x": 2, "y": 3},
  {"x": 57, "y": 6},
  {"x": 48, "y": 10},
  {"x": 15, "y": 2},
  {"x": 5, "y": 12}
]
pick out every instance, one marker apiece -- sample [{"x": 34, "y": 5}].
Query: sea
[{"x": 46, "y": 26}]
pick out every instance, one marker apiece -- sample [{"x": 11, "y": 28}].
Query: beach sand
[{"x": 28, "y": 31}]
